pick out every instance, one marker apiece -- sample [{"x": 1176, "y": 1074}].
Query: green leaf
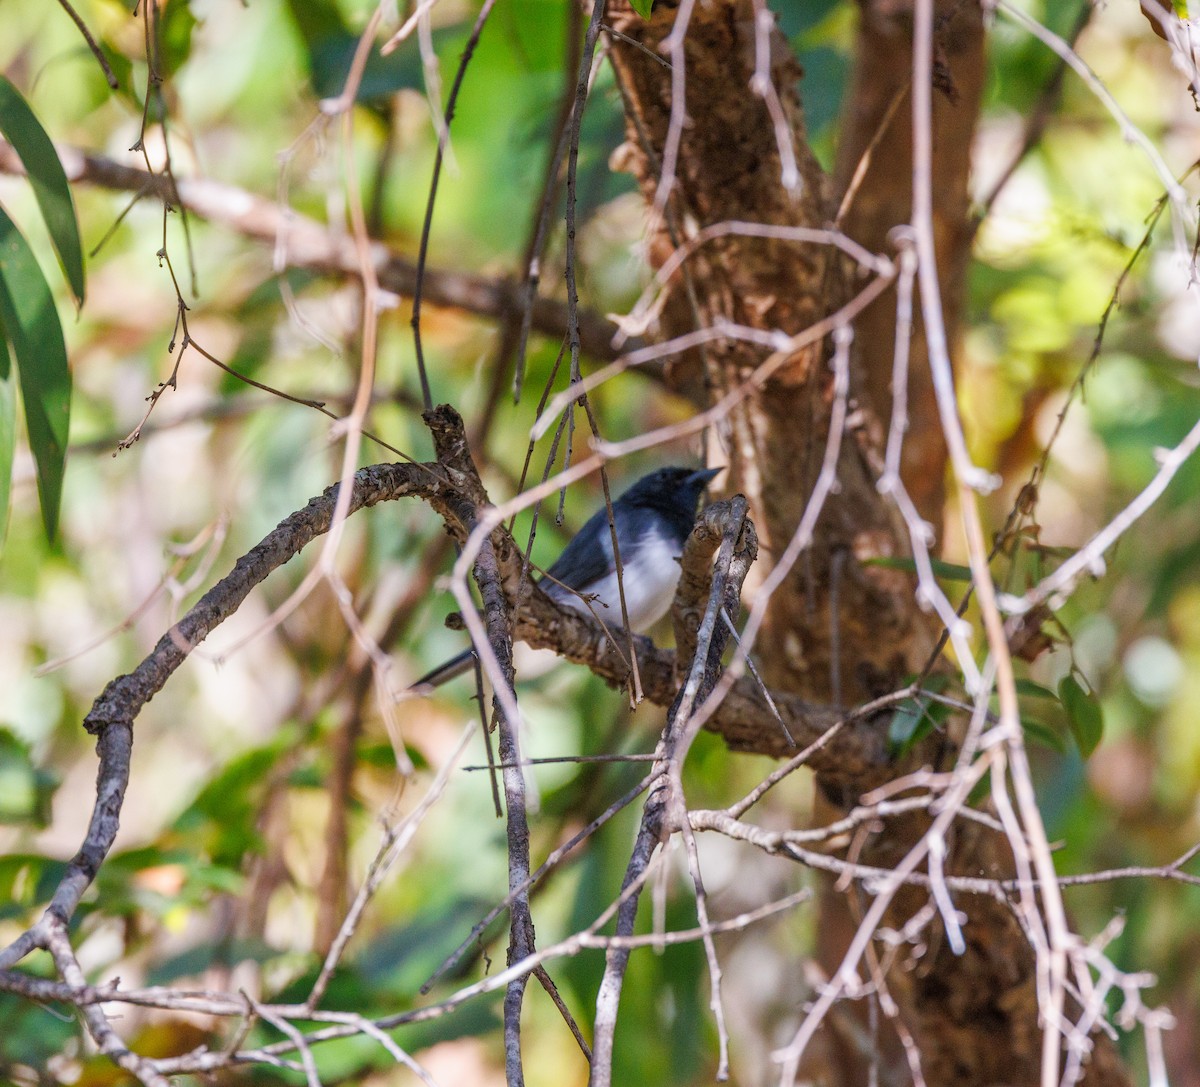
[
  {"x": 383, "y": 756},
  {"x": 916, "y": 717},
  {"x": 175, "y": 35},
  {"x": 1030, "y": 689},
  {"x": 947, "y": 571},
  {"x": 34, "y": 1034},
  {"x": 46, "y": 177},
  {"x": 642, "y": 7},
  {"x": 1042, "y": 734},
  {"x": 27, "y": 879},
  {"x": 25, "y": 789},
  {"x": 195, "y": 960},
  {"x": 8, "y": 432},
  {"x": 30, "y": 324},
  {"x": 1084, "y": 714},
  {"x": 331, "y": 47}
]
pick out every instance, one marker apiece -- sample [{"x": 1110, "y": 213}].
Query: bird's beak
[{"x": 705, "y": 475}]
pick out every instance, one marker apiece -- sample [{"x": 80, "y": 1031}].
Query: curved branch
[
  {"x": 452, "y": 489},
  {"x": 308, "y": 244},
  {"x": 114, "y": 711}
]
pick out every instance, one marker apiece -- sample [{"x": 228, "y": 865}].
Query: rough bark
[
  {"x": 729, "y": 169},
  {"x": 876, "y": 134},
  {"x": 838, "y": 631}
]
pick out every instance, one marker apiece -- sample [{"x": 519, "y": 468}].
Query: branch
[
  {"x": 856, "y": 753},
  {"x": 304, "y": 243},
  {"x": 701, "y": 645},
  {"x": 452, "y": 489},
  {"x": 452, "y": 449}
]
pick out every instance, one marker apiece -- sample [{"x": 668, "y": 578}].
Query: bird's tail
[{"x": 445, "y": 672}]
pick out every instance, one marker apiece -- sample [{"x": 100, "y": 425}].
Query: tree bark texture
[
  {"x": 876, "y": 141},
  {"x": 838, "y": 631},
  {"x": 729, "y": 169}
]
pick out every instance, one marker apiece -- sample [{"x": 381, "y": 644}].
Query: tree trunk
[{"x": 837, "y": 630}]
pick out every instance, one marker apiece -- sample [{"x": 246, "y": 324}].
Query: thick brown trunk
[
  {"x": 838, "y": 630},
  {"x": 874, "y": 179},
  {"x": 729, "y": 169}
]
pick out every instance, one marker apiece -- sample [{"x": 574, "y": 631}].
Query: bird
[{"x": 653, "y": 519}]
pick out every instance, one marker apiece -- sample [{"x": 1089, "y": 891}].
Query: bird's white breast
[{"x": 649, "y": 577}]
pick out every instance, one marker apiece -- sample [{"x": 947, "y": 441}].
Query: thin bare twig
[
  {"x": 664, "y": 808},
  {"x": 1090, "y": 557},
  {"x": 109, "y": 75},
  {"x": 427, "y": 225}
]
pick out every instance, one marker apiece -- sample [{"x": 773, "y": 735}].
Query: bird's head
[{"x": 672, "y": 490}]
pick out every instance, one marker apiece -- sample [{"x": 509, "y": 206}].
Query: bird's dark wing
[{"x": 588, "y": 557}]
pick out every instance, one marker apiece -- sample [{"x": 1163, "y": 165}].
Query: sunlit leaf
[
  {"x": 25, "y": 788},
  {"x": 642, "y": 7},
  {"x": 1084, "y": 714},
  {"x": 32, "y": 328},
  {"x": 175, "y": 35},
  {"x": 47, "y": 179}
]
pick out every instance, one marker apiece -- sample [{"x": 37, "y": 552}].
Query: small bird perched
[{"x": 653, "y": 519}]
